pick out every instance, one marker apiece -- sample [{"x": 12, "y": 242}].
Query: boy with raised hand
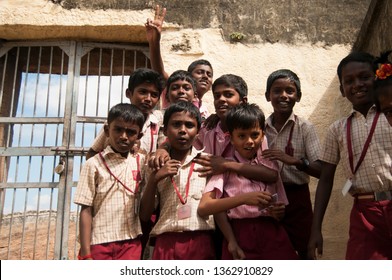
[
  {"x": 108, "y": 191},
  {"x": 363, "y": 142},
  {"x": 201, "y": 69}
]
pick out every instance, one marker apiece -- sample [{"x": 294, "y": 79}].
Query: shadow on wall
[{"x": 330, "y": 108}]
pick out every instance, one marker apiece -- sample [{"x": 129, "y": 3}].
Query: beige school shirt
[
  {"x": 149, "y": 140},
  {"x": 170, "y": 203},
  {"x": 374, "y": 174},
  {"x": 304, "y": 140},
  {"x": 113, "y": 206}
]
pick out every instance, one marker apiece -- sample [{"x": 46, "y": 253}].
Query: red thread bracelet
[{"x": 89, "y": 256}]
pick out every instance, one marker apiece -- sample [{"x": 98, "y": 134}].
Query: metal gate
[{"x": 54, "y": 97}]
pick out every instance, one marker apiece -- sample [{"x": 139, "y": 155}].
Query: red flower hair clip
[{"x": 384, "y": 71}]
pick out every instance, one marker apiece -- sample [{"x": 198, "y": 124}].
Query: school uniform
[
  {"x": 217, "y": 142},
  {"x": 110, "y": 184},
  {"x": 298, "y": 137},
  {"x": 370, "y": 235},
  {"x": 181, "y": 234},
  {"x": 258, "y": 234},
  {"x": 149, "y": 140}
]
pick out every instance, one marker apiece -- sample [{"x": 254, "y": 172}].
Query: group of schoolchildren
[{"x": 234, "y": 185}]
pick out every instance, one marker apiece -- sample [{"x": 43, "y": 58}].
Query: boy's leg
[
  {"x": 298, "y": 217},
  {"x": 370, "y": 231}
]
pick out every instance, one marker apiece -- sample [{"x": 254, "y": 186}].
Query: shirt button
[{"x": 373, "y": 165}]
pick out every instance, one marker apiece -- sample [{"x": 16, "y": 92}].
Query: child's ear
[
  {"x": 342, "y": 90},
  {"x": 106, "y": 129},
  {"x": 164, "y": 131},
  {"x": 140, "y": 135},
  {"x": 128, "y": 94},
  {"x": 244, "y": 100},
  {"x": 267, "y": 96}
]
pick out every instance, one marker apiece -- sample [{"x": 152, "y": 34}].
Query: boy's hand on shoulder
[
  {"x": 158, "y": 159},
  {"x": 273, "y": 154},
  {"x": 212, "y": 165},
  {"x": 169, "y": 169}
]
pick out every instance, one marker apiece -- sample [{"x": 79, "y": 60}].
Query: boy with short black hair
[
  {"x": 108, "y": 191},
  {"x": 363, "y": 142},
  {"x": 144, "y": 91},
  {"x": 248, "y": 211},
  {"x": 180, "y": 232}
]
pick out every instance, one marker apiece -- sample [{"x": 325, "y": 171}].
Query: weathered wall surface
[{"x": 308, "y": 37}]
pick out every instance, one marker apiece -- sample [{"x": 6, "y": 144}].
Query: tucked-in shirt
[
  {"x": 217, "y": 142},
  {"x": 374, "y": 174},
  {"x": 304, "y": 141},
  {"x": 149, "y": 140},
  {"x": 170, "y": 203},
  {"x": 230, "y": 184},
  {"x": 113, "y": 207}
]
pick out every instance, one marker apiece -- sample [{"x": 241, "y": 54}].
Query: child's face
[
  {"x": 224, "y": 99},
  {"x": 283, "y": 95},
  {"x": 203, "y": 76},
  {"x": 122, "y": 135},
  {"x": 145, "y": 96},
  {"x": 357, "y": 84},
  {"x": 180, "y": 90},
  {"x": 385, "y": 100},
  {"x": 247, "y": 141},
  {"x": 181, "y": 130}
]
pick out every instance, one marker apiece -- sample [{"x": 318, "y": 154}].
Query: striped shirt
[
  {"x": 113, "y": 207},
  {"x": 149, "y": 140},
  {"x": 374, "y": 174},
  {"x": 170, "y": 203},
  {"x": 230, "y": 184},
  {"x": 305, "y": 143}
]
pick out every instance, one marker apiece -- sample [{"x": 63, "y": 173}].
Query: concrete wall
[{"x": 308, "y": 37}]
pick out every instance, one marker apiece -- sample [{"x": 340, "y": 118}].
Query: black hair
[
  {"x": 128, "y": 113},
  {"x": 146, "y": 75},
  {"x": 245, "y": 116},
  {"x": 180, "y": 75},
  {"x": 380, "y": 83},
  {"x": 285, "y": 74},
  {"x": 195, "y": 63},
  {"x": 182, "y": 106},
  {"x": 355, "y": 57},
  {"x": 234, "y": 81}
]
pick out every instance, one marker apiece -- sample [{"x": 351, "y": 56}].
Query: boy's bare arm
[
  {"x": 210, "y": 205},
  {"x": 153, "y": 33},
  {"x": 323, "y": 193},
  {"x": 216, "y": 165},
  {"x": 224, "y": 225},
  {"x": 85, "y": 223}
]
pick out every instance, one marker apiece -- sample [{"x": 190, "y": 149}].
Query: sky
[{"x": 43, "y": 95}]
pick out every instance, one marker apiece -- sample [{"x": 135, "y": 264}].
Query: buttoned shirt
[
  {"x": 149, "y": 140},
  {"x": 230, "y": 184},
  {"x": 113, "y": 207},
  {"x": 170, "y": 203},
  {"x": 305, "y": 143},
  {"x": 374, "y": 174}
]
